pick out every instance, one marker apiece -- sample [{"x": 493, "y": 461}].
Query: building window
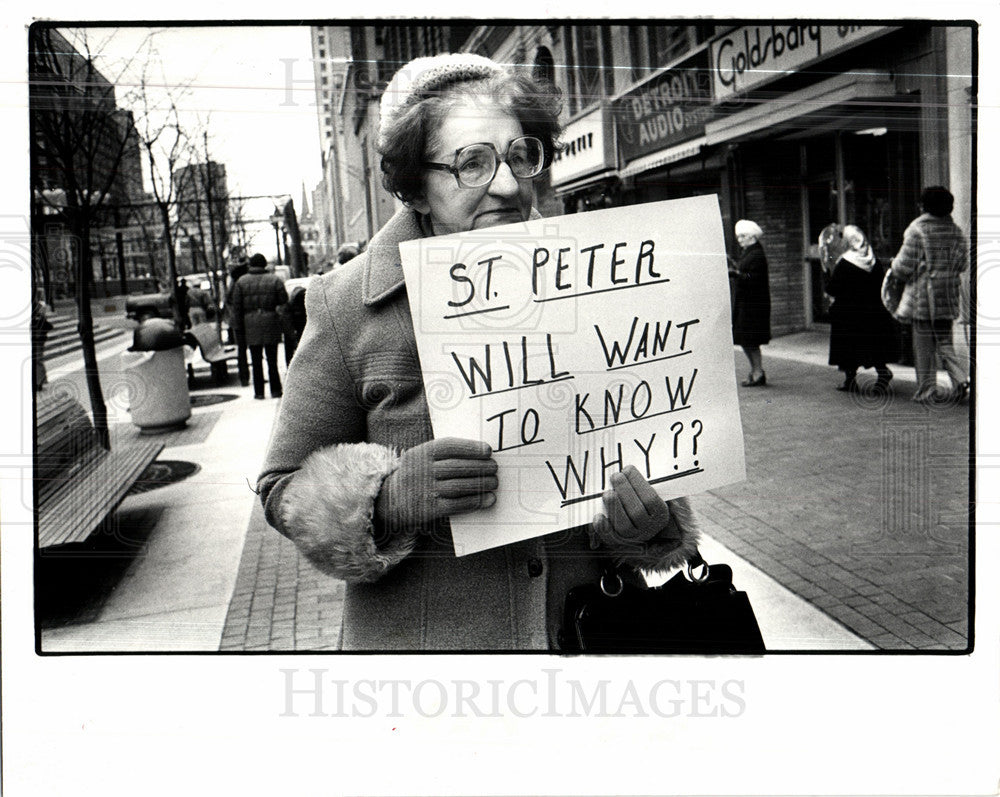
[
  {"x": 656, "y": 46},
  {"x": 322, "y": 53},
  {"x": 545, "y": 65},
  {"x": 322, "y": 66},
  {"x": 587, "y": 54}
]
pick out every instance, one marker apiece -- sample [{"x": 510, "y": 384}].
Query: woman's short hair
[
  {"x": 937, "y": 200},
  {"x": 405, "y": 140}
]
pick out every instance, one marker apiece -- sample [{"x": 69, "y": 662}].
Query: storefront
[
  {"x": 584, "y": 173},
  {"x": 828, "y": 124},
  {"x": 661, "y": 126}
]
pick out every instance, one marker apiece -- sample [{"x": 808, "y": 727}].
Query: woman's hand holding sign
[
  {"x": 435, "y": 480},
  {"x": 633, "y": 513}
]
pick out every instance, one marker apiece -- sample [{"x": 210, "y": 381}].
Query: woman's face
[
  {"x": 453, "y": 208},
  {"x": 745, "y": 239}
]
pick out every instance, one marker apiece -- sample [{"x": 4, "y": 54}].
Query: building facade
[
  {"x": 202, "y": 216},
  {"x": 795, "y": 126}
]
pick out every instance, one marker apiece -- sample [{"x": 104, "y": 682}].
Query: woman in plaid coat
[{"x": 934, "y": 254}]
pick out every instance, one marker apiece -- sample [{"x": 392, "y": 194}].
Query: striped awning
[
  {"x": 656, "y": 159},
  {"x": 583, "y": 182}
]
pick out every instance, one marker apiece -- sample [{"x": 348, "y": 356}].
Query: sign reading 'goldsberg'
[
  {"x": 575, "y": 347},
  {"x": 752, "y": 55}
]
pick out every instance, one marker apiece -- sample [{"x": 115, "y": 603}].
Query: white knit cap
[
  {"x": 747, "y": 227},
  {"x": 423, "y": 77}
]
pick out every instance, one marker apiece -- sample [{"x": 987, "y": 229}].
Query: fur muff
[
  {"x": 330, "y": 503},
  {"x": 663, "y": 555}
]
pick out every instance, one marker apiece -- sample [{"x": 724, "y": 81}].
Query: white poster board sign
[{"x": 577, "y": 346}]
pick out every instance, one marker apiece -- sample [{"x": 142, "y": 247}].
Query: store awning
[
  {"x": 656, "y": 159},
  {"x": 583, "y": 182},
  {"x": 855, "y": 86}
]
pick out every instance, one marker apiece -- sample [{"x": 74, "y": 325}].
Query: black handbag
[{"x": 692, "y": 613}]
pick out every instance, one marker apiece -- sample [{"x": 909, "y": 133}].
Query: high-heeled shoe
[
  {"x": 760, "y": 381},
  {"x": 850, "y": 385}
]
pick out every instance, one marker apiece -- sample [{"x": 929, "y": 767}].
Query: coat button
[{"x": 535, "y": 567}]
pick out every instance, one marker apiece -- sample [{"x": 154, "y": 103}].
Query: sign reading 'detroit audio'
[{"x": 575, "y": 347}]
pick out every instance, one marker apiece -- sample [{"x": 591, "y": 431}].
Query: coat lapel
[{"x": 383, "y": 269}]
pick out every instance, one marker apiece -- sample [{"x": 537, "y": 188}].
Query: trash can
[{"x": 155, "y": 374}]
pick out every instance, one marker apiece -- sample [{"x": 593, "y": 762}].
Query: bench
[
  {"x": 205, "y": 338},
  {"x": 78, "y": 482}
]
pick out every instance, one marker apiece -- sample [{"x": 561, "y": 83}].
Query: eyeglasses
[{"x": 477, "y": 164}]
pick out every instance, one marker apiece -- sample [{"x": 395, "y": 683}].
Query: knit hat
[{"x": 426, "y": 77}]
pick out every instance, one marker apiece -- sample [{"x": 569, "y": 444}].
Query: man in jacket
[
  {"x": 257, "y": 302},
  {"x": 242, "y": 363},
  {"x": 934, "y": 254}
]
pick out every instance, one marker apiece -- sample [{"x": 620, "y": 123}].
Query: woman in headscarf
[
  {"x": 862, "y": 333},
  {"x": 751, "y": 300},
  {"x": 353, "y": 475}
]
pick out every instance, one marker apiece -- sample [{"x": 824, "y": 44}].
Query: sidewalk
[{"x": 811, "y": 535}]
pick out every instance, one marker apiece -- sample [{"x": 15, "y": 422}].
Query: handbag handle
[{"x": 696, "y": 570}]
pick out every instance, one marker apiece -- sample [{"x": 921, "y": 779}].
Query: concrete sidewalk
[{"x": 194, "y": 566}]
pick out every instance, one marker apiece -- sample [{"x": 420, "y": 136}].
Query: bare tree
[
  {"x": 164, "y": 146},
  {"x": 77, "y": 144}
]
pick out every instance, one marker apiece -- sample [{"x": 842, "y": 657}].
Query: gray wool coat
[{"x": 353, "y": 401}]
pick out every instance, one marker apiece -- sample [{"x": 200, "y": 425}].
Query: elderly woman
[
  {"x": 751, "y": 300},
  {"x": 353, "y": 474},
  {"x": 862, "y": 333}
]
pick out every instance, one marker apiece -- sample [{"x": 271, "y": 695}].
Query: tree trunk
[
  {"x": 120, "y": 250},
  {"x": 85, "y": 328},
  {"x": 168, "y": 241}
]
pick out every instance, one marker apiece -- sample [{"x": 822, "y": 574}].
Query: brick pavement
[
  {"x": 858, "y": 504},
  {"x": 280, "y": 601}
]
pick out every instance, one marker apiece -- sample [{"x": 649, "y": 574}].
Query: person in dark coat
[
  {"x": 182, "y": 298},
  {"x": 237, "y": 337},
  {"x": 862, "y": 333},
  {"x": 751, "y": 300},
  {"x": 293, "y": 321},
  {"x": 258, "y": 300}
]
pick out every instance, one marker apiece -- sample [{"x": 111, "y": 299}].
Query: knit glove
[
  {"x": 633, "y": 514},
  {"x": 435, "y": 480}
]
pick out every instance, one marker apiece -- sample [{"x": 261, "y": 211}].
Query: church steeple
[{"x": 305, "y": 200}]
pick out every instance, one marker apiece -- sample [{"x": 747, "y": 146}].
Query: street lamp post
[{"x": 276, "y": 219}]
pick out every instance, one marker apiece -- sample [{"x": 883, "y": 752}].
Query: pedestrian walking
[
  {"x": 258, "y": 299},
  {"x": 862, "y": 333},
  {"x": 293, "y": 321},
  {"x": 182, "y": 298},
  {"x": 353, "y": 474},
  {"x": 751, "y": 300},
  {"x": 40, "y": 328},
  {"x": 931, "y": 261},
  {"x": 238, "y": 337},
  {"x": 197, "y": 305}
]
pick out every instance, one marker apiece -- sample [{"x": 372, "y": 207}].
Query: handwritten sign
[{"x": 575, "y": 347}]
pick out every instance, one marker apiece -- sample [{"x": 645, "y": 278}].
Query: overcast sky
[{"x": 263, "y": 128}]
